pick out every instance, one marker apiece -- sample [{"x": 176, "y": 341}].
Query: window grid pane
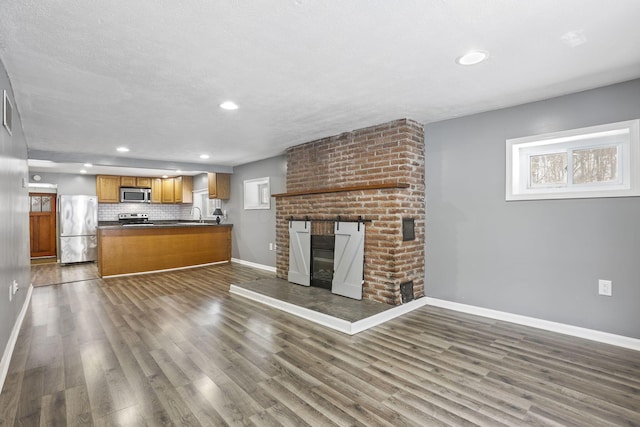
[
  {"x": 36, "y": 204},
  {"x": 595, "y": 165},
  {"x": 548, "y": 170},
  {"x": 46, "y": 203}
]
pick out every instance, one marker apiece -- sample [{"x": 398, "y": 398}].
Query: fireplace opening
[{"x": 322, "y": 251}]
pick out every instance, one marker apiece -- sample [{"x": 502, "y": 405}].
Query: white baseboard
[
  {"x": 392, "y": 313},
  {"x": 254, "y": 265},
  {"x": 576, "y": 331},
  {"x": 8, "y": 350},
  {"x": 335, "y": 323}
]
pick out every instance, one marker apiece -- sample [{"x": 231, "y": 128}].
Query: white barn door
[
  {"x": 299, "y": 252},
  {"x": 348, "y": 261}
]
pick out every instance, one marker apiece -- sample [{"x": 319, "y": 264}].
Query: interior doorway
[{"x": 42, "y": 224}]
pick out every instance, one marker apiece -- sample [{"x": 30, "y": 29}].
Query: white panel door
[
  {"x": 299, "y": 252},
  {"x": 348, "y": 261}
]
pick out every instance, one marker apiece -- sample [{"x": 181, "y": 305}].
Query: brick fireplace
[{"x": 376, "y": 173}]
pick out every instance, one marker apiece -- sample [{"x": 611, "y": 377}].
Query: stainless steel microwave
[{"x": 135, "y": 195}]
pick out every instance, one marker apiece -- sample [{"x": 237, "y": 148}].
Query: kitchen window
[{"x": 598, "y": 161}]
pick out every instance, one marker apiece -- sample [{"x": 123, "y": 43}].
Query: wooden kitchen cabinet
[
  {"x": 177, "y": 190},
  {"x": 143, "y": 182},
  {"x": 108, "y": 188},
  {"x": 127, "y": 181},
  {"x": 156, "y": 190},
  {"x": 183, "y": 189},
  {"x": 123, "y": 250},
  {"x": 135, "y": 181},
  {"x": 168, "y": 192},
  {"x": 219, "y": 185}
]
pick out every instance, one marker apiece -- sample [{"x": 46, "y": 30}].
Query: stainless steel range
[{"x": 134, "y": 219}]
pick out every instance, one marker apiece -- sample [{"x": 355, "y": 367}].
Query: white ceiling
[{"x": 89, "y": 77}]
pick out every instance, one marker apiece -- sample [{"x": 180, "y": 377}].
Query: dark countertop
[{"x": 160, "y": 224}]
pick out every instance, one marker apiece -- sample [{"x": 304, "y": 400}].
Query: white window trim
[{"x": 519, "y": 149}]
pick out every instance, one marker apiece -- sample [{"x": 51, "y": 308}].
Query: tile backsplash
[{"x": 158, "y": 212}]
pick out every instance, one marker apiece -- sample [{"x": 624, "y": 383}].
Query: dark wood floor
[
  {"x": 53, "y": 273},
  {"x": 177, "y": 349}
]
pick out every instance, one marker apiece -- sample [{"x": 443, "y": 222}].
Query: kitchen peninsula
[{"x": 147, "y": 248}]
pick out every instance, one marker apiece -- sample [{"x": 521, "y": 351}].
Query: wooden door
[
  {"x": 42, "y": 224},
  {"x": 299, "y": 252},
  {"x": 348, "y": 260}
]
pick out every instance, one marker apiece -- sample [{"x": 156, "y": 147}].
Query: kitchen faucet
[{"x": 199, "y": 213}]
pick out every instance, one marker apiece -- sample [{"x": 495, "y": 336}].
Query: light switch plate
[{"x": 604, "y": 287}]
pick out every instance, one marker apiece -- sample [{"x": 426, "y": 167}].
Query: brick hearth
[{"x": 391, "y": 153}]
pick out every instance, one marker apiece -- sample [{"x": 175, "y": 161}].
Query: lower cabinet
[{"x": 136, "y": 250}]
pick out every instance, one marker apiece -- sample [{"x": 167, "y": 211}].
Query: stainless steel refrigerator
[{"x": 77, "y": 222}]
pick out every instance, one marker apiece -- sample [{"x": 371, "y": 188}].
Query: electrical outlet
[
  {"x": 270, "y": 246},
  {"x": 15, "y": 287},
  {"x": 604, "y": 287}
]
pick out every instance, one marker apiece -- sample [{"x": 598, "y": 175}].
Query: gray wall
[
  {"x": 68, "y": 183},
  {"x": 201, "y": 182},
  {"x": 535, "y": 258},
  {"x": 254, "y": 229},
  {"x": 14, "y": 218}
]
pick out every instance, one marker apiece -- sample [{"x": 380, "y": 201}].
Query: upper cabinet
[
  {"x": 156, "y": 190},
  {"x": 219, "y": 185},
  {"x": 177, "y": 190},
  {"x": 108, "y": 188},
  {"x": 183, "y": 189},
  {"x": 127, "y": 181},
  {"x": 167, "y": 190},
  {"x": 135, "y": 181},
  {"x": 142, "y": 181}
]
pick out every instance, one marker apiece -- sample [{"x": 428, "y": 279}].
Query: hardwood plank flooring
[
  {"x": 54, "y": 273},
  {"x": 176, "y": 349}
]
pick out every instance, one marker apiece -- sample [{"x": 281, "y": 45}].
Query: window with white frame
[{"x": 598, "y": 161}]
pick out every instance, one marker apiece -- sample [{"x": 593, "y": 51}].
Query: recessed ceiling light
[
  {"x": 574, "y": 38},
  {"x": 178, "y": 171},
  {"x": 204, "y": 156},
  {"x": 122, "y": 149},
  {"x": 229, "y": 105},
  {"x": 83, "y": 171},
  {"x": 165, "y": 176},
  {"x": 473, "y": 57},
  {"x": 88, "y": 165}
]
